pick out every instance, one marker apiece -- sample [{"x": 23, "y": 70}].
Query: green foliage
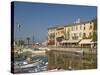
[
  {"x": 95, "y": 29},
  {"x": 21, "y": 42},
  {"x": 95, "y": 23},
  {"x": 94, "y": 36},
  {"x": 67, "y": 25}
]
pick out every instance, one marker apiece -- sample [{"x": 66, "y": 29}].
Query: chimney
[{"x": 77, "y": 21}]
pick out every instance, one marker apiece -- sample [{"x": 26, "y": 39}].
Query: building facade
[
  {"x": 51, "y": 36},
  {"x": 59, "y": 35},
  {"x": 75, "y": 34}
]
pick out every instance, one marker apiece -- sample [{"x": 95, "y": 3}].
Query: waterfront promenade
[{"x": 86, "y": 50}]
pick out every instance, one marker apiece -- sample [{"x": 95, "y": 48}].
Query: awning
[
  {"x": 73, "y": 41},
  {"x": 63, "y": 41},
  {"x": 70, "y": 41},
  {"x": 86, "y": 41},
  {"x": 94, "y": 42}
]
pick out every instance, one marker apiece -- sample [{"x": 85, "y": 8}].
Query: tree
[
  {"x": 21, "y": 42},
  {"x": 95, "y": 29},
  {"x": 28, "y": 39},
  {"x": 94, "y": 36},
  {"x": 95, "y": 23}
]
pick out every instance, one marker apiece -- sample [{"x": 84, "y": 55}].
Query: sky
[{"x": 36, "y": 18}]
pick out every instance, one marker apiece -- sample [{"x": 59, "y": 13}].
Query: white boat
[{"x": 80, "y": 51}]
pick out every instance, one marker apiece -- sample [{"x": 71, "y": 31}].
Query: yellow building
[{"x": 75, "y": 34}]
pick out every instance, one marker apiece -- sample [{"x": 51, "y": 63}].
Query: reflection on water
[
  {"x": 37, "y": 63},
  {"x": 72, "y": 61},
  {"x": 54, "y": 59}
]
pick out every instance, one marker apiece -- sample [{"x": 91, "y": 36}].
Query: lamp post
[{"x": 19, "y": 27}]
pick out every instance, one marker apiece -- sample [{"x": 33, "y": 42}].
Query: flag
[{"x": 19, "y": 26}]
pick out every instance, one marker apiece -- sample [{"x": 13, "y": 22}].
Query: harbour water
[
  {"x": 85, "y": 58},
  {"x": 78, "y": 59}
]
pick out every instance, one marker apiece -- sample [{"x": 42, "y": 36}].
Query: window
[
  {"x": 90, "y": 22},
  {"x": 84, "y": 35},
  {"x": 84, "y": 28},
  {"x": 90, "y": 34},
  {"x": 74, "y": 34},
  {"x": 79, "y": 34},
  {"x": 90, "y": 26}
]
